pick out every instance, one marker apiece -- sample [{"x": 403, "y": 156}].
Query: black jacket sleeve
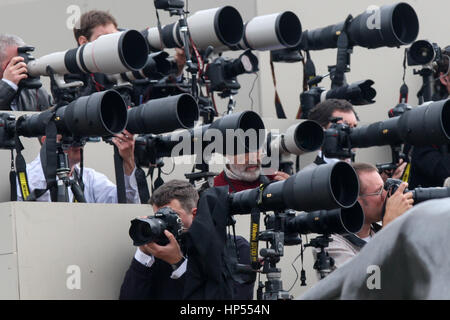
[
  {"x": 7, "y": 95},
  {"x": 151, "y": 283},
  {"x": 430, "y": 167}
]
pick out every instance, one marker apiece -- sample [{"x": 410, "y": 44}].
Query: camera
[
  {"x": 151, "y": 228},
  {"x": 222, "y": 72},
  {"x": 300, "y": 138},
  {"x": 424, "y": 125},
  {"x": 219, "y": 27},
  {"x": 357, "y": 93},
  {"x": 271, "y": 32},
  {"x": 156, "y": 67},
  {"x": 386, "y": 26},
  {"x": 231, "y": 134},
  {"x": 110, "y": 54},
  {"x": 325, "y": 187},
  {"x": 163, "y": 115},
  {"x": 419, "y": 194},
  {"x": 30, "y": 82},
  {"x": 100, "y": 114},
  {"x": 169, "y": 4},
  {"x": 340, "y": 221},
  {"x": 423, "y": 52},
  {"x": 7, "y": 131}
]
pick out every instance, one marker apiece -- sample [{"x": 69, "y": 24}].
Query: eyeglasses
[{"x": 378, "y": 193}]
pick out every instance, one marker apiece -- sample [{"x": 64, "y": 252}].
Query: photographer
[
  {"x": 377, "y": 206},
  {"x": 97, "y": 187},
  {"x": 158, "y": 272},
  {"x": 13, "y": 70},
  {"x": 329, "y": 111},
  {"x": 325, "y": 113},
  {"x": 90, "y": 27},
  {"x": 430, "y": 165},
  {"x": 243, "y": 172}
]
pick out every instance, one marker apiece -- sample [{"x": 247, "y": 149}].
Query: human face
[
  {"x": 372, "y": 196},
  {"x": 10, "y": 52},
  {"x": 246, "y": 166},
  {"x": 445, "y": 80},
  {"x": 185, "y": 216},
  {"x": 348, "y": 118},
  {"x": 97, "y": 32}
]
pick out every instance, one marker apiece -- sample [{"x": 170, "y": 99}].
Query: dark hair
[
  {"x": 90, "y": 20},
  {"x": 441, "y": 66},
  {"x": 322, "y": 112},
  {"x": 363, "y": 167},
  {"x": 181, "y": 190}
]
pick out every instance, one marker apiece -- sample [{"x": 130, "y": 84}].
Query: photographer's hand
[
  {"x": 180, "y": 59},
  {"x": 170, "y": 253},
  {"x": 397, "y": 204},
  {"x": 125, "y": 143},
  {"x": 16, "y": 70},
  {"x": 397, "y": 174},
  {"x": 280, "y": 175}
]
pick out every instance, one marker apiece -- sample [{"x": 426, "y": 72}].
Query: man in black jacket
[
  {"x": 13, "y": 70},
  {"x": 159, "y": 272},
  {"x": 430, "y": 165}
]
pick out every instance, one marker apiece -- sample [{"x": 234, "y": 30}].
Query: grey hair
[
  {"x": 8, "y": 40},
  {"x": 447, "y": 182}
]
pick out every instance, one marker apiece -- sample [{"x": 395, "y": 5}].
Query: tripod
[
  {"x": 64, "y": 182},
  {"x": 271, "y": 256},
  {"x": 324, "y": 263}
]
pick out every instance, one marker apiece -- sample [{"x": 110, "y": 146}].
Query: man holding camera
[
  {"x": 97, "y": 187},
  {"x": 13, "y": 70},
  {"x": 158, "y": 272},
  {"x": 341, "y": 111},
  {"x": 378, "y": 205},
  {"x": 430, "y": 165}
]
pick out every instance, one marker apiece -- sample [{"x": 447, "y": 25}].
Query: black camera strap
[
  {"x": 21, "y": 173},
  {"x": 278, "y": 107},
  {"x": 120, "y": 179},
  {"x": 141, "y": 179}
]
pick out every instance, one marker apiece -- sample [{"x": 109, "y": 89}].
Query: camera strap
[
  {"x": 120, "y": 179},
  {"x": 255, "y": 216},
  {"x": 21, "y": 173},
  {"x": 144, "y": 193},
  {"x": 278, "y": 107},
  {"x": 309, "y": 72}
]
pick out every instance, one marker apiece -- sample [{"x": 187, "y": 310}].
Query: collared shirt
[
  {"x": 97, "y": 187},
  {"x": 148, "y": 260}
]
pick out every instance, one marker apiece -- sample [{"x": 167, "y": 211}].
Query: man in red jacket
[{"x": 244, "y": 172}]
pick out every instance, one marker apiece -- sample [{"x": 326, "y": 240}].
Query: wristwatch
[{"x": 175, "y": 266}]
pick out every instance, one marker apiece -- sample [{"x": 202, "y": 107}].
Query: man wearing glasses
[{"x": 377, "y": 205}]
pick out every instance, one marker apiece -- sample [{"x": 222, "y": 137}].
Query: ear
[
  {"x": 82, "y": 40},
  {"x": 443, "y": 79},
  {"x": 43, "y": 139},
  {"x": 194, "y": 212}
]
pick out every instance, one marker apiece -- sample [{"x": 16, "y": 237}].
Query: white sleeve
[
  {"x": 102, "y": 190},
  {"x": 143, "y": 258},
  {"x": 131, "y": 188},
  {"x": 148, "y": 260}
]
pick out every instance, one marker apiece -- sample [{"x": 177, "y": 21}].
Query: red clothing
[{"x": 238, "y": 185}]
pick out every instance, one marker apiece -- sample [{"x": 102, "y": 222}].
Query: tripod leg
[{"x": 77, "y": 192}]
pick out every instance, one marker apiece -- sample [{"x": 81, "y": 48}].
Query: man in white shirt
[{"x": 97, "y": 187}]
